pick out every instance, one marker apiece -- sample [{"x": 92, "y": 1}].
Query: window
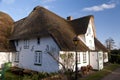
[
  {"x": 84, "y": 58},
  {"x": 26, "y": 44},
  {"x": 89, "y": 30},
  {"x": 17, "y": 57},
  {"x": 78, "y": 57},
  {"x": 16, "y": 42},
  {"x": 38, "y": 40},
  {"x": 38, "y": 57},
  {"x": 90, "y": 43}
]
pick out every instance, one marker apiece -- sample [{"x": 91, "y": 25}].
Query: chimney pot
[{"x": 69, "y": 18}]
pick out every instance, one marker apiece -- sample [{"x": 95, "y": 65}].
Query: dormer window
[
  {"x": 26, "y": 44},
  {"x": 16, "y": 42},
  {"x": 38, "y": 40},
  {"x": 89, "y": 30}
]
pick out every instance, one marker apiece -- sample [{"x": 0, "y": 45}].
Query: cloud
[
  {"x": 114, "y": 1},
  {"x": 100, "y": 7},
  {"x": 47, "y": 7},
  {"x": 46, "y": 1},
  {"x": 7, "y": 1}
]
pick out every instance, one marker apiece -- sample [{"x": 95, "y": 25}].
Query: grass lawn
[{"x": 100, "y": 74}]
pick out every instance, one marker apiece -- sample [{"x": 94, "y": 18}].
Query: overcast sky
[{"x": 106, "y": 13}]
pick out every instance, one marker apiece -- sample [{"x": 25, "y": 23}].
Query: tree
[
  {"x": 66, "y": 59},
  {"x": 110, "y": 44}
]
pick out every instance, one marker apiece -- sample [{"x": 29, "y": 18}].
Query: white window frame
[
  {"x": 26, "y": 44},
  {"x": 84, "y": 57},
  {"x": 17, "y": 55},
  {"x": 38, "y": 58},
  {"x": 78, "y": 58}
]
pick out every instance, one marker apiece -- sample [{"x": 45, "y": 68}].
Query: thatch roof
[
  {"x": 80, "y": 25},
  {"x": 6, "y": 24},
  {"x": 41, "y": 22},
  {"x": 99, "y": 46}
]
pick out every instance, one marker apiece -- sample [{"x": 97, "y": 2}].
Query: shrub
[
  {"x": 69, "y": 74},
  {"x": 85, "y": 69},
  {"x": 43, "y": 75},
  {"x": 89, "y": 67}
]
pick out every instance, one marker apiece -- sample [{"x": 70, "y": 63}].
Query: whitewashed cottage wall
[
  {"x": 89, "y": 36},
  {"x": 105, "y": 56},
  {"x": 6, "y": 57},
  {"x": 27, "y": 56}
]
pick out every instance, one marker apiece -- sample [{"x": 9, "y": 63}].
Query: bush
[
  {"x": 69, "y": 74},
  {"x": 115, "y": 58}
]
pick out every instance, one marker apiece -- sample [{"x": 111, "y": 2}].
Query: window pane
[
  {"x": 38, "y": 56},
  {"x": 78, "y": 57},
  {"x": 17, "y": 57},
  {"x": 26, "y": 44},
  {"x": 84, "y": 57}
]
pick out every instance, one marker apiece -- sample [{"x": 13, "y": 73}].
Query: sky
[{"x": 106, "y": 13}]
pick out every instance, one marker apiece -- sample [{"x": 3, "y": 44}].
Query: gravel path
[{"x": 115, "y": 75}]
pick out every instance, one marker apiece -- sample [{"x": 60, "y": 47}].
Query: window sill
[
  {"x": 16, "y": 61},
  {"x": 37, "y": 64},
  {"x": 26, "y": 47}
]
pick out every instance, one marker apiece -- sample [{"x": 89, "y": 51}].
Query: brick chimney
[{"x": 69, "y": 18}]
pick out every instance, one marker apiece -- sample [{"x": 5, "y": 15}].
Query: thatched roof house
[{"x": 42, "y": 22}]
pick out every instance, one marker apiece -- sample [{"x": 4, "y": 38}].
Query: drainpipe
[{"x": 89, "y": 56}]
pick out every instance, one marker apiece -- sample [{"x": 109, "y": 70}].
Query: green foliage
[
  {"x": 115, "y": 56},
  {"x": 11, "y": 76},
  {"x": 69, "y": 74},
  {"x": 32, "y": 77}
]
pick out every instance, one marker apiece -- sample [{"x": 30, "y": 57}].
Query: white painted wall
[
  {"x": 105, "y": 56},
  {"x": 96, "y": 60},
  {"x": 89, "y": 37},
  {"x": 5, "y": 57},
  {"x": 82, "y": 38},
  {"x": 26, "y": 59},
  {"x": 100, "y": 60}
]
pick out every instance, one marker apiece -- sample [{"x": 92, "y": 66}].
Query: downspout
[{"x": 89, "y": 56}]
